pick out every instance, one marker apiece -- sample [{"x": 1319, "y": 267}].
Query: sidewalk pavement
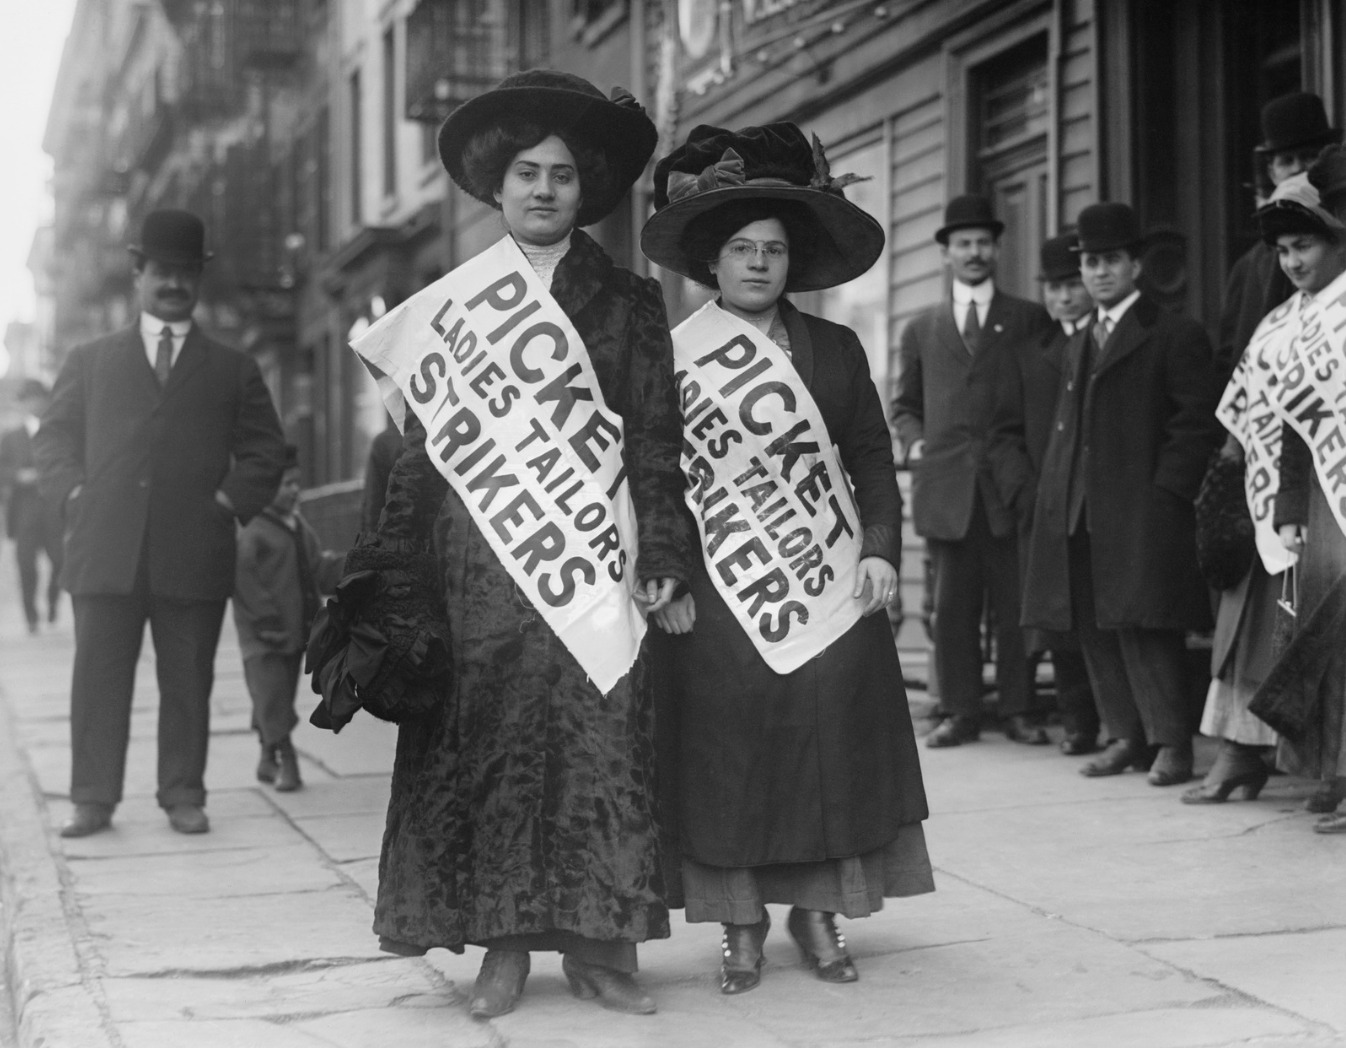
[{"x": 1069, "y": 912}]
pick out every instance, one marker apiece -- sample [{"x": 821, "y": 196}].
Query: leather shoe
[
  {"x": 953, "y": 731},
  {"x": 822, "y": 947},
  {"x": 614, "y": 990},
  {"x": 1172, "y": 765},
  {"x": 741, "y": 969},
  {"x": 1078, "y": 743},
  {"x": 266, "y": 765},
  {"x": 499, "y": 983},
  {"x": 1326, "y": 796},
  {"x": 1119, "y": 755},
  {"x": 1020, "y": 729},
  {"x": 188, "y": 818},
  {"x": 287, "y": 776},
  {"x": 87, "y": 819}
]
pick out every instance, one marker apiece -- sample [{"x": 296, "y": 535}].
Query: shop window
[{"x": 591, "y": 20}]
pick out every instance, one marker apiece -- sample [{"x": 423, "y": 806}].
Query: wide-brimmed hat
[
  {"x": 716, "y": 166},
  {"x": 1294, "y": 207},
  {"x": 1060, "y": 257},
  {"x": 1108, "y": 227},
  {"x": 969, "y": 211},
  {"x": 1296, "y": 121},
  {"x": 617, "y": 127},
  {"x": 172, "y": 236},
  {"x": 1327, "y": 174}
]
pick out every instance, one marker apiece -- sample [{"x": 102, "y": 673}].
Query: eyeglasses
[{"x": 743, "y": 250}]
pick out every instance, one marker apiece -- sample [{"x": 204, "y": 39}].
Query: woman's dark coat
[
  {"x": 526, "y": 804},
  {"x": 821, "y": 762},
  {"x": 1148, "y": 431}
]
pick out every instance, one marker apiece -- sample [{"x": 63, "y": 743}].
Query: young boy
[{"x": 281, "y": 571}]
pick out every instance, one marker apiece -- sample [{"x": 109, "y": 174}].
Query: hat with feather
[{"x": 774, "y": 162}]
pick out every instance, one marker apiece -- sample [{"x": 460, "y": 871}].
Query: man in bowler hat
[
  {"x": 1025, "y": 413},
  {"x": 28, "y": 519},
  {"x": 1294, "y": 132},
  {"x": 1112, "y": 554},
  {"x": 952, "y": 357},
  {"x": 158, "y": 439}
]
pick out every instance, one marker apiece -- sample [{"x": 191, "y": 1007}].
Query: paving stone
[
  {"x": 347, "y": 795},
  {"x": 238, "y": 1033},
  {"x": 346, "y": 837},
  {"x": 235, "y": 874},
  {"x": 403, "y": 1027},
  {"x": 156, "y": 837},
  {"x": 277, "y": 995},
  {"x": 366, "y": 745},
  {"x": 1303, "y": 972}
]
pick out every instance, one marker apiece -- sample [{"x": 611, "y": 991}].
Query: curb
[{"x": 53, "y": 1007}]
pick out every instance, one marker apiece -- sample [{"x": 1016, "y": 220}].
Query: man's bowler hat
[
  {"x": 969, "y": 211},
  {"x": 1108, "y": 227},
  {"x": 1296, "y": 121},
  {"x": 172, "y": 236},
  {"x": 1060, "y": 257}
]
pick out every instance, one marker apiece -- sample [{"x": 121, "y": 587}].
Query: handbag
[
  {"x": 1225, "y": 541},
  {"x": 1286, "y": 701},
  {"x": 381, "y": 642},
  {"x": 1287, "y": 611}
]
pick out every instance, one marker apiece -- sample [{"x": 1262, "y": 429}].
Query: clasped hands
[{"x": 679, "y": 616}]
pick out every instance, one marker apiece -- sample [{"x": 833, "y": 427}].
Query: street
[{"x": 1069, "y": 912}]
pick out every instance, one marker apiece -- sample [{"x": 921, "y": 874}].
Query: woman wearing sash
[
  {"x": 1314, "y": 664},
  {"x": 797, "y": 778},
  {"x": 1304, "y": 236},
  {"x": 521, "y": 815}
]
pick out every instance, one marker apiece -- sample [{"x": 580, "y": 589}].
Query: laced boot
[
  {"x": 741, "y": 969},
  {"x": 824, "y": 950}
]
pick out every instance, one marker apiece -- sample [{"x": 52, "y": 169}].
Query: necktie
[
  {"x": 971, "y": 328},
  {"x": 1101, "y": 331},
  {"x": 163, "y": 356}
]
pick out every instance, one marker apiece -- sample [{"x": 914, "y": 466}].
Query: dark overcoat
[
  {"x": 819, "y": 763},
  {"x": 1255, "y": 286},
  {"x": 526, "y": 804},
  {"x": 148, "y": 462},
  {"x": 24, "y": 508},
  {"x": 946, "y": 396},
  {"x": 1147, "y": 433}
]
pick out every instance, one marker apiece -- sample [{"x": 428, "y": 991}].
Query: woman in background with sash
[
  {"x": 1314, "y": 665},
  {"x": 800, "y": 787},
  {"x": 1306, "y": 239},
  {"x": 522, "y": 816}
]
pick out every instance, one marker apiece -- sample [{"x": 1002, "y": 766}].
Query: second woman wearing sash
[{"x": 796, "y": 773}]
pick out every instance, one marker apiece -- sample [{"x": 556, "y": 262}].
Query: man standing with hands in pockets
[{"x": 157, "y": 440}]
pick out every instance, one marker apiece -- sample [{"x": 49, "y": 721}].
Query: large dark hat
[
  {"x": 1296, "y": 121},
  {"x": 1060, "y": 257},
  {"x": 1294, "y": 207},
  {"x": 969, "y": 211},
  {"x": 1108, "y": 227},
  {"x": 616, "y": 127},
  {"x": 772, "y": 162},
  {"x": 172, "y": 236},
  {"x": 1327, "y": 174}
]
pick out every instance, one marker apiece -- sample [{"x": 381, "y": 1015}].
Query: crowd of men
[{"x": 1056, "y": 451}]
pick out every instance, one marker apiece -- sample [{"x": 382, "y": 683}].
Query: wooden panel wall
[{"x": 1076, "y": 93}]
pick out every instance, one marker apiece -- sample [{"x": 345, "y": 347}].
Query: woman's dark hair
[
  {"x": 1292, "y": 220},
  {"x": 488, "y": 154},
  {"x": 706, "y": 234}
]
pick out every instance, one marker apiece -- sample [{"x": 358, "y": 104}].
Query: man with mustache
[
  {"x": 952, "y": 358},
  {"x": 156, "y": 441}
]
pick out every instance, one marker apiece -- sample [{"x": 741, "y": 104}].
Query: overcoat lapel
[
  {"x": 948, "y": 335},
  {"x": 193, "y": 355},
  {"x": 801, "y": 346},
  {"x": 1129, "y": 335}
]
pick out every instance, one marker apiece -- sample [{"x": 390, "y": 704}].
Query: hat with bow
[
  {"x": 1294, "y": 207},
  {"x": 772, "y": 162},
  {"x": 615, "y": 126}
]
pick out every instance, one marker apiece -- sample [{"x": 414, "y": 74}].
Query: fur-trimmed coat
[{"x": 526, "y": 805}]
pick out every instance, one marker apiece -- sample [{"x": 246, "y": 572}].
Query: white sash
[
  {"x": 516, "y": 422},
  {"x": 1310, "y": 393},
  {"x": 1248, "y": 412},
  {"x": 778, "y": 526}
]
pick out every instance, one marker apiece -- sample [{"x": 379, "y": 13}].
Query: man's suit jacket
[
  {"x": 946, "y": 397},
  {"x": 23, "y": 507},
  {"x": 148, "y": 462},
  {"x": 1146, "y": 433}
]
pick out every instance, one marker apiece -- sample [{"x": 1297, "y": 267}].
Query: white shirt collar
[
  {"x": 152, "y": 327},
  {"x": 1115, "y": 313},
  {"x": 979, "y": 293},
  {"x": 30, "y": 423}
]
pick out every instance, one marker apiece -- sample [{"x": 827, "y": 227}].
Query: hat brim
[
  {"x": 850, "y": 240},
  {"x": 1052, "y": 275},
  {"x": 624, "y": 135},
  {"x": 172, "y": 258},
  {"x": 1135, "y": 246},
  {"x": 943, "y": 232},
  {"x": 1332, "y": 137}
]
